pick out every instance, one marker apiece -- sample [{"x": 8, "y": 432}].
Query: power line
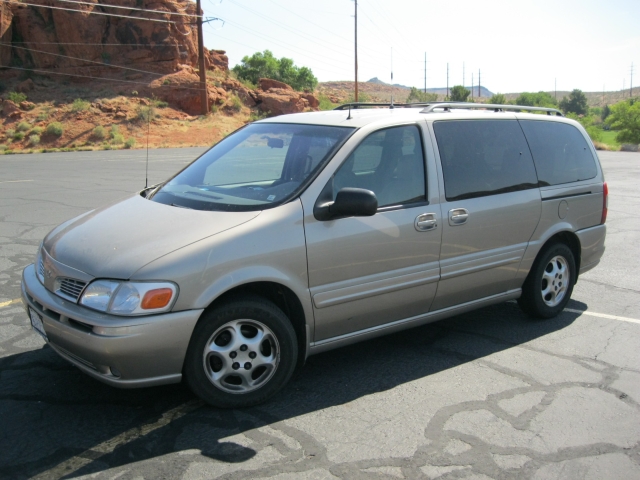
[
  {"x": 94, "y": 12},
  {"x": 316, "y": 25},
  {"x": 103, "y": 44},
  {"x": 82, "y": 59},
  {"x": 47, "y": 72},
  {"x": 283, "y": 45},
  {"x": 131, "y": 8},
  {"x": 255, "y": 48},
  {"x": 291, "y": 29}
]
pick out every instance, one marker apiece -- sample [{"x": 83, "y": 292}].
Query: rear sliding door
[{"x": 490, "y": 207}]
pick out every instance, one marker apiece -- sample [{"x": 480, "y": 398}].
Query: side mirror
[{"x": 350, "y": 202}]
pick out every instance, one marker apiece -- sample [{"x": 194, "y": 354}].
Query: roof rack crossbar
[{"x": 489, "y": 106}]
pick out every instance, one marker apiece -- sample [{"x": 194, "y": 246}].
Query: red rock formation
[
  {"x": 267, "y": 84},
  {"x": 155, "y": 46},
  {"x": 216, "y": 60},
  {"x": 182, "y": 90},
  {"x": 277, "y": 98}
]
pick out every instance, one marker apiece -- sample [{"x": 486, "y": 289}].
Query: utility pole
[
  {"x": 356, "y": 46},
  {"x": 447, "y": 81},
  {"x": 425, "y": 72},
  {"x": 472, "y": 86},
  {"x": 555, "y": 88},
  {"x": 463, "y": 75},
  {"x": 479, "y": 82},
  {"x": 204, "y": 101},
  {"x": 631, "y": 84}
]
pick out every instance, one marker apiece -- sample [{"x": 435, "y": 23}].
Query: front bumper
[{"x": 125, "y": 352}]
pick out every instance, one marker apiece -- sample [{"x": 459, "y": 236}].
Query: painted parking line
[
  {"x": 108, "y": 446},
  {"x": 10, "y": 302},
  {"x": 16, "y": 181},
  {"x": 602, "y": 315}
]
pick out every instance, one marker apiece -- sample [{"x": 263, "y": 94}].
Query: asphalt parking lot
[{"x": 488, "y": 394}]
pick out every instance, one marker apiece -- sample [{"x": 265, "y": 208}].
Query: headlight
[{"x": 129, "y": 298}]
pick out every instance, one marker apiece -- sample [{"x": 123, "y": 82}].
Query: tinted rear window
[
  {"x": 483, "y": 157},
  {"x": 560, "y": 152}
]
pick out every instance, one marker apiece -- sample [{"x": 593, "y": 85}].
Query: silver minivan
[{"x": 307, "y": 232}]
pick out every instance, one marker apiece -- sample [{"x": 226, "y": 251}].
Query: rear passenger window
[
  {"x": 483, "y": 157},
  {"x": 560, "y": 152}
]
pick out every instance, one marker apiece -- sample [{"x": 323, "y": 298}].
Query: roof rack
[
  {"x": 356, "y": 105},
  {"x": 447, "y": 106}
]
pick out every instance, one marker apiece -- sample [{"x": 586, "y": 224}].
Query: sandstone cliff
[{"x": 85, "y": 43}]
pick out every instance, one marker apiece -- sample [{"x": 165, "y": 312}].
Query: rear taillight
[{"x": 605, "y": 203}]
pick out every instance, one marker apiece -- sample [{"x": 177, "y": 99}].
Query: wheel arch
[
  {"x": 281, "y": 296},
  {"x": 571, "y": 240}
]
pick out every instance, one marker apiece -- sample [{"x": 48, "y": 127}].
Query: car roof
[{"x": 359, "y": 117}]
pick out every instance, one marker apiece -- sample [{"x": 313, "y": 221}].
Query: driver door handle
[{"x": 426, "y": 222}]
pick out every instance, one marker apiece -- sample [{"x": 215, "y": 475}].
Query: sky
[{"x": 517, "y": 45}]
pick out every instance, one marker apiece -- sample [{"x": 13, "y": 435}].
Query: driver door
[{"x": 368, "y": 271}]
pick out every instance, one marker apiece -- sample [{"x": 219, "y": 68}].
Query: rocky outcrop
[
  {"x": 216, "y": 60},
  {"x": 182, "y": 90},
  {"x": 277, "y": 98},
  {"x": 86, "y": 43}
]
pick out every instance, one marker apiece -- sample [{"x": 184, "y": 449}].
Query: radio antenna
[{"x": 146, "y": 169}]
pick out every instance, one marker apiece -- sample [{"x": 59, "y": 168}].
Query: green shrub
[
  {"x": 130, "y": 143},
  {"x": 3, "y": 148},
  {"x": 115, "y": 130},
  {"x": 42, "y": 116},
  {"x": 18, "y": 136},
  {"x": 236, "y": 103},
  {"x": 146, "y": 113},
  {"x": 258, "y": 115},
  {"x": 10, "y": 133},
  {"x": 325, "y": 103},
  {"x": 156, "y": 102},
  {"x": 99, "y": 133},
  {"x": 23, "y": 127},
  {"x": 34, "y": 140},
  {"x": 55, "y": 128},
  {"x": 36, "y": 130},
  {"x": 80, "y": 105},
  {"x": 117, "y": 139},
  {"x": 16, "y": 97}
]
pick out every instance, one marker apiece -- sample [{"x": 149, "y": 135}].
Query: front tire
[
  {"x": 549, "y": 285},
  {"x": 241, "y": 353}
]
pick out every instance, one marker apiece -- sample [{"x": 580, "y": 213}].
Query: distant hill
[{"x": 484, "y": 92}]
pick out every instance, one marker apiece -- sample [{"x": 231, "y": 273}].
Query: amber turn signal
[{"x": 158, "y": 298}]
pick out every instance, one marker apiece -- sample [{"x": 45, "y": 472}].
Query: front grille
[
  {"x": 41, "y": 269},
  {"x": 71, "y": 288}
]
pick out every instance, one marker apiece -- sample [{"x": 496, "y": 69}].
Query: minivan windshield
[{"x": 259, "y": 166}]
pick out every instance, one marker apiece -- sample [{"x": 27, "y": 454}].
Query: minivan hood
[{"x": 117, "y": 240}]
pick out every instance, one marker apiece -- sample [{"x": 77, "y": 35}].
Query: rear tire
[
  {"x": 241, "y": 353},
  {"x": 549, "y": 285}
]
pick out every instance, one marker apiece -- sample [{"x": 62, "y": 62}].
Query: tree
[
  {"x": 576, "y": 103},
  {"x": 459, "y": 94},
  {"x": 498, "y": 99},
  {"x": 265, "y": 65},
  {"x": 625, "y": 117},
  {"x": 540, "y": 99},
  {"x": 416, "y": 95},
  {"x": 606, "y": 111}
]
